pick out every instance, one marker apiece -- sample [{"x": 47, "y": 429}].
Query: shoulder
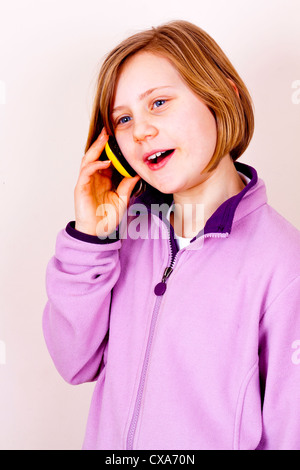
[
  {"x": 275, "y": 244},
  {"x": 268, "y": 247},
  {"x": 267, "y": 226},
  {"x": 280, "y": 231}
]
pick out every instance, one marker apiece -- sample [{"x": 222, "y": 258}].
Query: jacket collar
[{"x": 222, "y": 219}]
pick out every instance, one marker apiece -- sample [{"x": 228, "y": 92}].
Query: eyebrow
[{"x": 142, "y": 96}]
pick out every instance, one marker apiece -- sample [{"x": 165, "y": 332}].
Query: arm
[
  {"x": 280, "y": 371},
  {"x": 79, "y": 281},
  {"x": 81, "y": 275}
]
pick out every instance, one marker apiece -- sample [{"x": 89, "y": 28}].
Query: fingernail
[{"x": 103, "y": 134}]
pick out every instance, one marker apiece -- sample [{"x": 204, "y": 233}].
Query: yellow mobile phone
[{"x": 113, "y": 152}]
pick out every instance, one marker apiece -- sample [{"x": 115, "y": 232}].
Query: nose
[{"x": 144, "y": 130}]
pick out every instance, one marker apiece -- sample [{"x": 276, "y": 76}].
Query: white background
[{"x": 50, "y": 52}]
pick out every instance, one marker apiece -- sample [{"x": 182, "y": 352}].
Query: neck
[{"x": 196, "y": 205}]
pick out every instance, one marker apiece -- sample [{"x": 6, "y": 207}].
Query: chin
[
  {"x": 167, "y": 189},
  {"x": 168, "y": 186}
]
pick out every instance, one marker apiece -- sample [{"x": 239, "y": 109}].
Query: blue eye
[
  {"x": 158, "y": 103},
  {"x": 124, "y": 120}
]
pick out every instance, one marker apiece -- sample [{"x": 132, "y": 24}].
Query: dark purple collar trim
[{"x": 222, "y": 218}]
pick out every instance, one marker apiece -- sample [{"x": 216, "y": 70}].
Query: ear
[{"x": 234, "y": 86}]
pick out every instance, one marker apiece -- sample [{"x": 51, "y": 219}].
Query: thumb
[{"x": 126, "y": 187}]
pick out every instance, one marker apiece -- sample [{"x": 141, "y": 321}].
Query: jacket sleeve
[
  {"x": 79, "y": 282},
  {"x": 280, "y": 371}
]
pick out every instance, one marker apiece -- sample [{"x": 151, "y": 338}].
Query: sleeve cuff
[{"x": 71, "y": 230}]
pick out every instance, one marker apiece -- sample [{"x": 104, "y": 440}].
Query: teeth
[{"x": 155, "y": 155}]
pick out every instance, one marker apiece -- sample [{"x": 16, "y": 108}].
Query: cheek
[
  {"x": 204, "y": 130},
  {"x": 125, "y": 145},
  {"x": 195, "y": 120}
]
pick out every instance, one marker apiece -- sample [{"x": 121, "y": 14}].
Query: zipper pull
[{"x": 161, "y": 287}]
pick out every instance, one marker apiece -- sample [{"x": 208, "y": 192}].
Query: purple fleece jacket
[{"x": 207, "y": 357}]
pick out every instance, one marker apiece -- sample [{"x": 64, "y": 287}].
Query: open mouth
[{"x": 159, "y": 156}]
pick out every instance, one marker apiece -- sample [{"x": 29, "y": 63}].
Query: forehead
[{"x": 144, "y": 71}]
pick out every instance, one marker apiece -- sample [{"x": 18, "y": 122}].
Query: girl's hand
[{"x": 99, "y": 209}]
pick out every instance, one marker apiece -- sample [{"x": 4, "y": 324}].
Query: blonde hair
[{"x": 205, "y": 69}]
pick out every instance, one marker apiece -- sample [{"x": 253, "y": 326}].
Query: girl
[{"x": 187, "y": 319}]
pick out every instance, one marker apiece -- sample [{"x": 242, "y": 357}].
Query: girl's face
[{"x": 166, "y": 133}]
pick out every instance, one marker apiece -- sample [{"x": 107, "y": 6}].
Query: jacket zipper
[
  {"x": 161, "y": 287},
  {"x": 140, "y": 392},
  {"x": 159, "y": 291}
]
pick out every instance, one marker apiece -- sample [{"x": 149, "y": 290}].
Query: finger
[
  {"x": 95, "y": 149},
  {"x": 89, "y": 170}
]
